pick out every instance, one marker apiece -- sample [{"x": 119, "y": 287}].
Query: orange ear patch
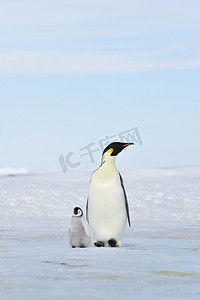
[{"x": 110, "y": 151}]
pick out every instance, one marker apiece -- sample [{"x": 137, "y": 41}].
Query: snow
[{"x": 159, "y": 258}]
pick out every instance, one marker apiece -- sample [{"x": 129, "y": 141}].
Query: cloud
[
  {"x": 86, "y": 37},
  {"x": 47, "y": 19},
  {"x": 88, "y": 63}
]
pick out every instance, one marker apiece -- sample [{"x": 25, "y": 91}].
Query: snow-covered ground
[{"x": 159, "y": 258}]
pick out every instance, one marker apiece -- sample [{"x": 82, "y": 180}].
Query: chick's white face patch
[{"x": 79, "y": 213}]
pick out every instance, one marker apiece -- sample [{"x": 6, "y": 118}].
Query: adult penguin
[{"x": 107, "y": 206}]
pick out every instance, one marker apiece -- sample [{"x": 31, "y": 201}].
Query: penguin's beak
[{"x": 125, "y": 145}]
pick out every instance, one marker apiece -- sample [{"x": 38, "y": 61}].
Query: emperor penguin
[
  {"x": 107, "y": 208},
  {"x": 79, "y": 234}
]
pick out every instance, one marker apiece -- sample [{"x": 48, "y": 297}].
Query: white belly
[{"x": 106, "y": 208}]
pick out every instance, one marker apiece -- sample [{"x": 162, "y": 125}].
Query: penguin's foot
[
  {"x": 112, "y": 243},
  {"x": 99, "y": 244}
]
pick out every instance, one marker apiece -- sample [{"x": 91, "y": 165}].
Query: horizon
[{"x": 22, "y": 171}]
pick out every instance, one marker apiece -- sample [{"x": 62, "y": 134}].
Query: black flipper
[
  {"x": 87, "y": 210},
  {"x": 126, "y": 201}
]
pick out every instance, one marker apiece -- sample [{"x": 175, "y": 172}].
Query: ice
[
  {"x": 12, "y": 171},
  {"x": 159, "y": 258}
]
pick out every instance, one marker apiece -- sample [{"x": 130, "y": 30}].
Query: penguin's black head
[
  {"x": 78, "y": 212},
  {"x": 115, "y": 148}
]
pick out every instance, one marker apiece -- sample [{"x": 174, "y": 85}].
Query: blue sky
[{"x": 74, "y": 72}]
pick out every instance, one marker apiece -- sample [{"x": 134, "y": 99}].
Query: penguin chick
[{"x": 79, "y": 232}]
